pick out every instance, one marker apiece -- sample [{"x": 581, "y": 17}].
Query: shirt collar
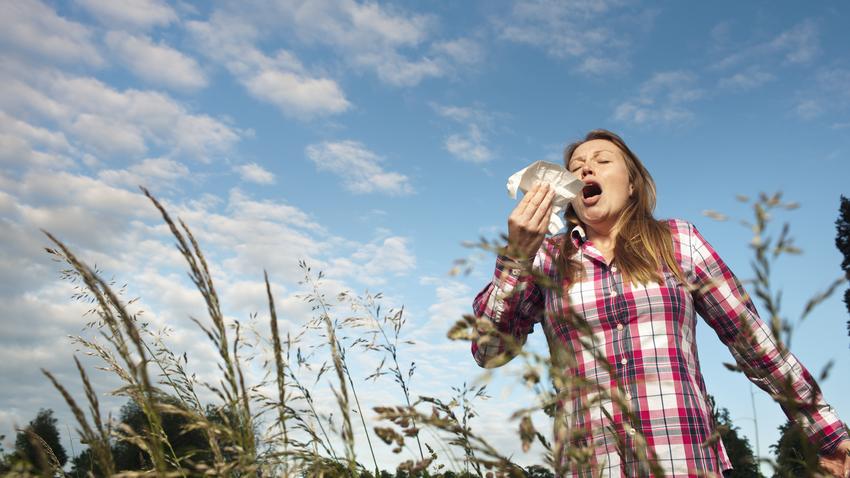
[{"x": 578, "y": 236}]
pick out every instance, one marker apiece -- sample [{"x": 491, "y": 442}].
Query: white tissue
[{"x": 565, "y": 185}]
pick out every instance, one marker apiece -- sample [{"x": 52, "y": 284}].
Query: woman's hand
[
  {"x": 529, "y": 221},
  {"x": 838, "y": 462}
]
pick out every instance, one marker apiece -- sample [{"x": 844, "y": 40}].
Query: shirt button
[
  {"x": 631, "y": 431},
  {"x": 619, "y": 326},
  {"x": 628, "y": 397},
  {"x": 613, "y": 268},
  {"x": 624, "y": 361},
  {"x": 613, "y": 293}
]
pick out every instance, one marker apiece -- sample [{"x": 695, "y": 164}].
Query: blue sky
[{"x": 372, "y": 140}]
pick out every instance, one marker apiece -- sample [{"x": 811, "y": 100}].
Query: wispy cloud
[
  {"x": 156, "y": 62},
  {"x": 367, "y": 36},
  {"x": 595, "y": 33},
  {"x": 828, "y": 91},
  {"x": 471, "y": 145},
  {"x": 254, "y": 173},
  {"x": 153, "y": 173},
  {"x": 25, "y": 144},
  {"x": 33, "y": 27},
  {"x": 393, "y": 43},
  {"x": 105, "y": 121},
  {"x": 752, "y": 77},
  {"x": 131, "y": 13},
  {"x": 280, "y": 79},
  {"x": 800, "y": 44},
  {"x": 359, "y": 168},
  {"x": 663, "y": 99}
]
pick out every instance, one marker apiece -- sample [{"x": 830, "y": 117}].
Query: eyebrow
[{"x": 580, "y": 158}]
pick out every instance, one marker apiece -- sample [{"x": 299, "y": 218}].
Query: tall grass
[{"x": 277, "y": 427}]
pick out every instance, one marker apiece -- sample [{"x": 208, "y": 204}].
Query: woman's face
[{"x": 602, "y": 167}]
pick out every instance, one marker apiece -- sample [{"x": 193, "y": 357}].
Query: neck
[{"x": 603, "y": 238}]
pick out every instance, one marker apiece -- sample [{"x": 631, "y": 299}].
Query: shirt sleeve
[
  {"x": 721, "y": 299},
  {"x": 513, "y": 303}
]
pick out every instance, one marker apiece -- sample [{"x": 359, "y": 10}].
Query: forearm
[{"x": 506, "y": 310}]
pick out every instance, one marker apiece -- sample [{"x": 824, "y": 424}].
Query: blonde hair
[{"x": 642, "y": 243}]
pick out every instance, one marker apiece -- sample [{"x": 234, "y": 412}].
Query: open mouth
[{"x": 591, "y": 190}]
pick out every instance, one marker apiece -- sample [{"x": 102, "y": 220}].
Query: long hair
[{"x": 642, "y": 243}]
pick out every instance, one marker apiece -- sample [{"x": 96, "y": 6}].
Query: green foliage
[
  {"x": 796, "y": 457},
  {"x": 842, "y": 242},
  {"x": 188, "y": 443},
  {"x": 537, "y": 471},
  {"x": 738, "y": 449},
  {"x": 39, "y": 444}
]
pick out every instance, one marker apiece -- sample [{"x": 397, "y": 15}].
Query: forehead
[{"x": 590, "y": 148}]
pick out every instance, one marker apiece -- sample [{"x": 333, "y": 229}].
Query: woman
[{"x": 620, "y": 322}]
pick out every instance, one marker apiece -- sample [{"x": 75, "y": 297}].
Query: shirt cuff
[{"x": 513, "y": 271}]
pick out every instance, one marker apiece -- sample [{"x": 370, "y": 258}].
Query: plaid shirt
[{"x": 647, "y": 335}]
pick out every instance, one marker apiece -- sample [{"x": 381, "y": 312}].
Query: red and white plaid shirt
[{"x": 647, "y": 334}]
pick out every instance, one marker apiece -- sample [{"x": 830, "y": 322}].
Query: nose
[{"x": 586, "y": 169}]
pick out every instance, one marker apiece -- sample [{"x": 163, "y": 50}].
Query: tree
[
  {"x": 738, "y": 449},
  {"x": 796, "y": 457},
  {"x": 83, "y": 464},
  {"x": 537, "y": 471},
  {"x": 842, "y": 242},
  {"x": 192, "y": 444},
  {"x": 39, "y": 443}
]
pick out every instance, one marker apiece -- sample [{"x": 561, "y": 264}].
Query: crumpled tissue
[{"x": 565, "y": 185}]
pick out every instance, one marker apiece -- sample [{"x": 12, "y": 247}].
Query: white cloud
[
  {"x": 462, "y": 50},
  {"x": 593, "y": 32},
  {"x": 472, "y": 144},
  {"x": 255, "y": 173},
  {"x": 293, "y": 92},
  {"x": 453, "y": 301},
  {"x": 828, "y": 91},
  {"x": 366, "y": 35},
  {"x": 107, "y": 136},
  {"x": 391, "y": 256},
  {"x": 156, "y": 63},
  {"x": 799, "y": 44},
  {"x": 469, "y": 147},
  {"x": 662, "y": 99},
  {"x": 152, "y": 173},
  {"x": 280, "y": 80},
  {"x": 359, "y": 168},
  {"x": 594, "y": 65},
  {"x": 25, "y": 144},
  {"x": 750, "y": 78},
  {"x": 389, "y": 41},
  {"x": 36, "y": 28},
  {"x": 131, "y": 13},
  {"x": 104, "y": 121}
]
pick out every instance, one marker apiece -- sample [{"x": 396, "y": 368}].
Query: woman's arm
[
  {"x": 721, "y": 299},
  {"x": 512, "y": 303}
]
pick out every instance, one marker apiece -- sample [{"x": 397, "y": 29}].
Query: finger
[
  {"x": 847, "y": 465},
  {"x": 534, "y": 201},
  {"x": 541, "y": 218},
  {"x": 547, "y": 218},
  {"x": 523, "y": 203},
  {"x": 829, "y": 465}
]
